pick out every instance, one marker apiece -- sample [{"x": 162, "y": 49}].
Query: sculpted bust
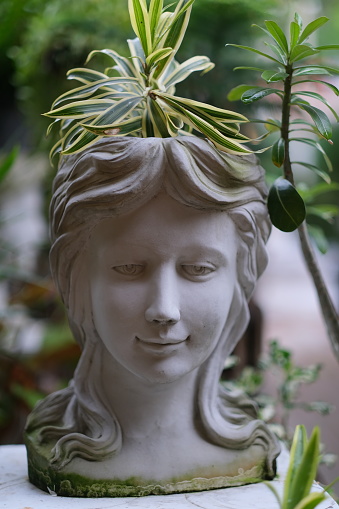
[{"x": 156, "y": 248}]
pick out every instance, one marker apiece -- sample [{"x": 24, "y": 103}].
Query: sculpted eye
[
  {"x": 130, "y": 269},
  {"x": 197, "y": 270}
]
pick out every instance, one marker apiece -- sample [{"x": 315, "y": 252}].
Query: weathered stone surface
[{"x": 16, "y": 492}]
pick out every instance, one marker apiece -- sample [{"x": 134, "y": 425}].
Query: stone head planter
[{"x": 156, "y": 248}]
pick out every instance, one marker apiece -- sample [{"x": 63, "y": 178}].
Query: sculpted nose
[{"x": 163, "y": 305}]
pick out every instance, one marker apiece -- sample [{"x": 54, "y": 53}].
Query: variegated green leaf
[
  {"x": 90, "y": 88},
  {"x": 118, "y": 128},
  {"x": 85, "y": 75},
  {"x": 155, "y": 10},
  {"x": 83, "y": 141},
  {"x": 80, "y": 109},
  {"x": 217, "y": 113},
  {"x": 158, "y": 55},
  {"x": 137, "y": 54},
  {"x": 147, "y": 126},
  {"x": 141, "y": 23},
  {"x": 124, "y": 66},
  {"x": 183, "y": 70},
  {"x": 175, "y": 31},
  {"x": 311, "y": 501},
  {"x": 117, "y": 112},
  {"x": 158, "y": 119}
]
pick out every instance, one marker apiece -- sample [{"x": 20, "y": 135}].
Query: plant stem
[{"x": 326, "y": 304}]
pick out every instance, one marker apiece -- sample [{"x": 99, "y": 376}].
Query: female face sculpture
[{"x": 157, "y": 244}]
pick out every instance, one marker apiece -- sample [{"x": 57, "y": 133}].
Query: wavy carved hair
[{"x": 114, "y": 177}]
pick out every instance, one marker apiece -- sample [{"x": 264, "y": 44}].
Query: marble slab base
[{"x": 16, "y": 492}]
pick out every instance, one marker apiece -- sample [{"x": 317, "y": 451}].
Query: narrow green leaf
[
  {"x": 320, "y": 119},
  {"x": 117, "y": 128},
  {"x": 312, "y": 27},
  {"x": 158, "y": 119},
  {"x": 137, "y": 55},
  {"x": 296, "y": 452},
  {"x": 319, "y": 189},
  {"x": 85, "y": 75},
  {"x": 244, "y": 67},
  {"x": 117, "y": 112},
  {"x": 141, "y": 23},
  {"x": 278, "y": 35},
  {"x": 272, "y": 76},
  {"x": 147, "y": 126},
  {"x": 278, "y": 152},
  {"x": 90, "y": 88},
  {"x": 176, "y": 31},
  {"x": 182, "y": 71},
  {"x": 274, "y": 491},
  {"x": 155, "y": 10},
  {"x": 320, "y": 98},
  {"x": 124, "y": 66},
  {"x": 236, "y": 93},
  {"x": 248, "y": 48},
  {"x": 315, "y": 69},
  {"x": 317, "y": 146},
  {"x": 301, "y": 51},
  {"x": 256, "y": 93},
  {"x": 84, "y": 140},
  {"x": 7, "y": 163},
  {"x": 55, "y": 150},
  {"x": 326, "y": 212},
  {"x": 285, "y": 206},
  {"x": 277, "y": 51},
  {"x": 327, "y": 46},
  {"x": 319, "y": 238},
  {"x": 158, "y": 55},
  {"x": 322, "y": 174},
  {"x": 329, "y": 85},
  {"x": 311, "y": 501},
  {"x": 294, "y": 34},
  {"x": 306, "y": 472},
  {"x": 80, "y": 109},
  {"x": 217, "y": 113}
]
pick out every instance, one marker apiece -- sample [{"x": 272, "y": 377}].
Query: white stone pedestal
[{"x": 16, "y": 492}]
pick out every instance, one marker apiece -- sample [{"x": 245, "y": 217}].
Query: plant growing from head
[
  {"x": 291, "y": 67},
  {"x": 136, "y": 95}
]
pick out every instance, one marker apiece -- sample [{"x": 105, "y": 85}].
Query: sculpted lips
[{"x": 160, "y": 344}]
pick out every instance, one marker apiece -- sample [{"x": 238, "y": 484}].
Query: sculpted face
[{"x": 161, "y": 283}]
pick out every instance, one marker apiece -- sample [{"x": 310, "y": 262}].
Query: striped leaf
[
  {"x": 117, "y": 112},
  {"x": 147, "y": 126},
  {"x": 217, "y": 113},
  {"x": 175, "y": 31},
  {"x": 123, "y": 64},
  {"x": 141, "y": 23},
  {"x": 155, "y": 10},
  {"x": 80, "y": 109},
  {"x": 137, "y": 54},
  {"x": 85, "y": 140},
  {"x": 85, "y": 75},
  {"x": 90, "y": 88},
  {"x": 158, "y": 55},
  {"x": 182, "y": 71},
  {"x": 158, "y": 119},
  {"x": 117, "y": 128}
]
